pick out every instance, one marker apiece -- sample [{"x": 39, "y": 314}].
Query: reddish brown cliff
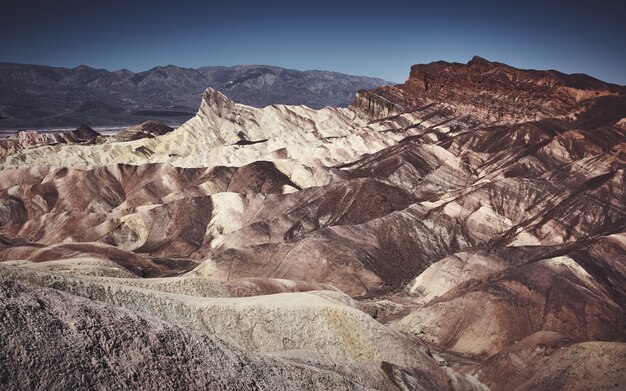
[{"x": 493, "y": 92}]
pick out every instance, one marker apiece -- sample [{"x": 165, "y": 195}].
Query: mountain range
[
  {"x": 34, "y": 96},
  {"x": 464, "y": 230}
]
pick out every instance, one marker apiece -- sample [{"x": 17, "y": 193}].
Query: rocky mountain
[
  {"x": 497, "y": 94},
  {"x": 40, "y": 96},
  {"x": 148, "y": 129},
  {"x": 463, "y": 230},
  {"x": 24, "y": 139}
]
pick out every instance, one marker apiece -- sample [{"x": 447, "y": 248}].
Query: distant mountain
[{"x": 33, "y": 96}]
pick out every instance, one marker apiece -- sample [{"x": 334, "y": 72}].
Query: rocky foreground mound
[{"x": 464, "y": 230}]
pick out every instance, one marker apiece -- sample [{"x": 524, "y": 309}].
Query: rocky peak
[
  {"x": 216, "y": 102},
  {"x": 84, "y": 132},
  {"x": 479, "y": 62}
]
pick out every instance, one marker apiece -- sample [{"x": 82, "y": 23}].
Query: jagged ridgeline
[{"x": 464, "y": 230}]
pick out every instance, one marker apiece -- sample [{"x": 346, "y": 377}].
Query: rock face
[
  {"x": 464, "y": 230},
  {"x": 496, "y": 93},
  {"x": 40, "y": 97}
]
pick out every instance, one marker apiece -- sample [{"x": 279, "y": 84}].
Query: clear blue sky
[{"x": 376, "y": 38}]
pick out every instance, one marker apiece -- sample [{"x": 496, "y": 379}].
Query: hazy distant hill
[{"x": 41, "y": 96}]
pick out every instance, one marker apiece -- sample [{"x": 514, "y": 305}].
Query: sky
[{"x": 380, "y": 38}]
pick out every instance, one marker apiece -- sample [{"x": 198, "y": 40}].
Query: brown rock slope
[
  {"x": 468, "y": 225},
  {"x": 495, "y": 93}
]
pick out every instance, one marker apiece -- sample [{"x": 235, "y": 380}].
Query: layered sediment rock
[{"x": 493, "y": 92}]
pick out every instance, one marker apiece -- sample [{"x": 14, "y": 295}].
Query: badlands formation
[{"x": 465, "y": 230}]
